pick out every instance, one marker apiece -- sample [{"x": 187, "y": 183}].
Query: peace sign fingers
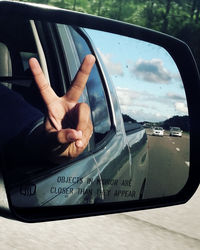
[
  {"x": 47, "y": 93},
  {"x": 80, "y": 80}
]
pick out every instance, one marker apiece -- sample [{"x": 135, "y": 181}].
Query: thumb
[{"x": 66, "y": 136}]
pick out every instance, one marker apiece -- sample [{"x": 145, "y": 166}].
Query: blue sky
[{"x": 147, "y": 81}]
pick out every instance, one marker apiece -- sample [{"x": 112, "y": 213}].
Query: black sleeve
[{"x": 17, "y": 116}]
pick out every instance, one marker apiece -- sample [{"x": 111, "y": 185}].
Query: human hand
[{"x": 67, "y": 119}]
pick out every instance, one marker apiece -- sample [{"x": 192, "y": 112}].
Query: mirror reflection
[
  {"x": 151, "y": 93},
  {"x": 139, "y": 145}
]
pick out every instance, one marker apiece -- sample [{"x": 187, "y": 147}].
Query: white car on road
[
  {"x": 175, "y": 131},
  {"x": 158, "y": 131}
]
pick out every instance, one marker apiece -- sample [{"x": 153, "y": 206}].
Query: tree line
[
  {"x": 177, "y": 121},
  {"x": 182, "y": 122},
  {"x": 180, "y": 18}
]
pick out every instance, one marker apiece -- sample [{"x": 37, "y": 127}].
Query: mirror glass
[
  {"x": 151, "y": 93},
  {"x": 139, "y": 148}
]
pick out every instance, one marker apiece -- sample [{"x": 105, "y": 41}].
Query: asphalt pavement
[
  {"x": 168, "y": 165},
  {"x": 171, "y": 228}
]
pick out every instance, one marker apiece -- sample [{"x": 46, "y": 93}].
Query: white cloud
[
  {"x": 181, "y": 107},
  {"x": 141, "y": 115},
  {"x": 126, "y": 96},
  {"x": 176, "y": 97},
  {"x": 136, "y": 105},
  {"x": 151, "y": 71},
  {"x": 177, "y": 77},
  {"x": 113, "y": 68},
  {"x": 144, "y": 106}
]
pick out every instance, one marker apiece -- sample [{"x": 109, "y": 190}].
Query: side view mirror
[{"x": 143, "y": 93}]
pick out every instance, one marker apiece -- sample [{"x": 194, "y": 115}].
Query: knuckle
[
  {"x": 43, "y": 87},
  {"x": 84, "y": 71}
]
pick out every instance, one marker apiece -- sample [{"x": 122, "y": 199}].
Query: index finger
[
  {"x": 45, "y": 89},
  {"x": 80, "y": 80}
]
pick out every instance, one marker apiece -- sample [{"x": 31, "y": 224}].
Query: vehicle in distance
[
  {"x": 158, "y": 131},
  {"x": 175, "y": 131}
]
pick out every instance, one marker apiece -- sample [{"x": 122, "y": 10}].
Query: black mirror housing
[{"x": 186, "y": 65}]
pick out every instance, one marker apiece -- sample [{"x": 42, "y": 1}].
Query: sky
[{"x": 146, "y": 78}]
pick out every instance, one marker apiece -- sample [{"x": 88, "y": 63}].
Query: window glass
[
  {"x": 97, "y": 98},
  {"x": 25, "y": 56}
]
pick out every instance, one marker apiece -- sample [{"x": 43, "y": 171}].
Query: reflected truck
[{"x": 114, "y": 166}]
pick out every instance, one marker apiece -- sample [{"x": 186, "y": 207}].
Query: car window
[
  {"x": 18, "y": 38},
  {"x": 96, "y": 93},
  {"x": 25, "y": 56}
]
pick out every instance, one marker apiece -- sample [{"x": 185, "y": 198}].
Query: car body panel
[{"x": 115, "y": 171}]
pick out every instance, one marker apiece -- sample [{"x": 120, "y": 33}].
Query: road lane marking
[
  {"x": 178, "y": 149},
  {"x": 173, "y": 142},
  {"x": 187, "y": 163}
]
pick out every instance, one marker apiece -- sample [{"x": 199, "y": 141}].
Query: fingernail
[
  {"x": 79, "y": 144},
  {"x": 92, "y": 59},
  {"x": 80, "y": 133},
  {"x": 34, "y": 63}
]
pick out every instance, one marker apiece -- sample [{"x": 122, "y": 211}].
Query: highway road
[
  {"x": 172, "y": 228},
  {"x": 168, "y": 164}
]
